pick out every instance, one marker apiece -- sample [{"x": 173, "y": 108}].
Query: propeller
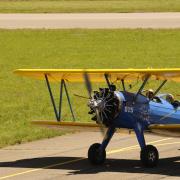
[
  {"x": 89, "y": 89},
  {"x": 88, "y": 84},
  {"x": 102, "y": 129}
]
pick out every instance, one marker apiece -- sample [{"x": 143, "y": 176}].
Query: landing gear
[
  {"x": 96, "y": 154},
  {"x": 149, "y": 156}
]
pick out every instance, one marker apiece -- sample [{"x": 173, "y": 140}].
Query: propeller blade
[
  {"x": 102, "y": 129},
  {"x": 77, "y": 95},
  {"x": 88, "y": 84}
]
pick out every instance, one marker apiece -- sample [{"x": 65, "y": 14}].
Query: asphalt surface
[
  {"x": 65, "y": 157},
  {"x": 90, "y": 20}
]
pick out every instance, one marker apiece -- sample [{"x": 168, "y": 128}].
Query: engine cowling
[{"x": 108, "y": 103}]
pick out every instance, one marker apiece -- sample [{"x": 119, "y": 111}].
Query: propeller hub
[{"x": 97, "y": 104}]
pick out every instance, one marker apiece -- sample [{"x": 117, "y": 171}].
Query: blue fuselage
[{"x": 145, "y": 112}]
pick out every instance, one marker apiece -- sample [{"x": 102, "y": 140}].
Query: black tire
[
  {"x": 96, "y": 156},
  {"x": 149, "y": 156}
]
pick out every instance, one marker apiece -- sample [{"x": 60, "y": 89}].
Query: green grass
[
  {"x": 53, "y": 6},
  {"x": 23, "y": 99}
]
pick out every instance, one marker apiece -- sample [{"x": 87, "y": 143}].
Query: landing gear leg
[
  {"x": 97, "y": 152},
  {"x": 149, "y": 154}
]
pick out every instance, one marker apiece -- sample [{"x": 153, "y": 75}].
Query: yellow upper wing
[{"x": 97, "y": 75}]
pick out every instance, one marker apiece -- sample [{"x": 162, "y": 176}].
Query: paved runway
[
  {"x": 90, "y": 20},
  {"x": 65, "y": 158}
]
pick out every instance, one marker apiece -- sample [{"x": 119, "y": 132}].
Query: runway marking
[
  {"x": 164, "y": 144},
  {"x": 135, "y": 146},
  {"x": 79, "y": 159},
  {"x": 38, "y": 169}
]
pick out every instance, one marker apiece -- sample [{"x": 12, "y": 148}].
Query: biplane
[{"x": 113, "y": 109}]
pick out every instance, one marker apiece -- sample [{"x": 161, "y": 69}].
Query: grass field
[
  {"x": 53, "y": 6},
  {"x": 23, "y": 99}
]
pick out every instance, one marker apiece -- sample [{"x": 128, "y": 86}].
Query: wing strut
[
  {"x": 107, "y": 80},
  {"x": 159, "y": 88},
  {"x": 68, "y": 98},
  {"x": 62, "y": 86},
  {"x": 142, "y": 86},
  {"x": 123, "y": 84},
  {"x": 52, "y": 98}
]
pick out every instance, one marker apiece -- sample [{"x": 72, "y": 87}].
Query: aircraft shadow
[{"x": 167, "y": 166}]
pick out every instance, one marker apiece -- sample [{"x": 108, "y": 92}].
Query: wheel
[
  {"x": 96, "y": 155},
  {"x": 149, "y": 156}
]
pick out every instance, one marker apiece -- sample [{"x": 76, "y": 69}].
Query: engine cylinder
[{"x": 108, "y": 103}]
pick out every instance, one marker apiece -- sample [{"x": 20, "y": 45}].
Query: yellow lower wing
[
  {"x": 73, "y": 126},
  {"x": 166, "y": 129},
  {"x": 67, "y": 125}
]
